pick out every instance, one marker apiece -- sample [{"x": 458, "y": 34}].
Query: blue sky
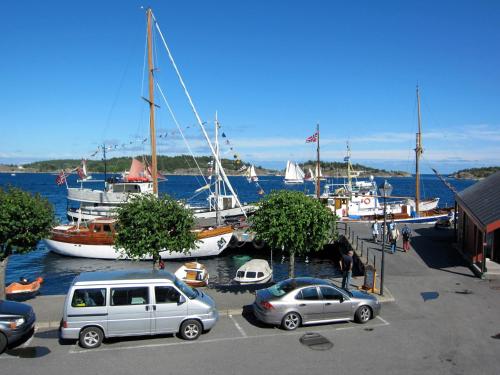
[{"x": 72, "y": 74}]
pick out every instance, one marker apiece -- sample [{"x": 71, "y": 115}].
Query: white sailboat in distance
[{"x": 294, "y": 174}]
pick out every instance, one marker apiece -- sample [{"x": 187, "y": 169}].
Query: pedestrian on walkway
[
  {"x": 346, "y": 268},
  {"x": 406, "y": 232},
  {"x": 375, "y": 230},
  {"x": 394, "y": 235},
  {"x": 390, "y": 226}
]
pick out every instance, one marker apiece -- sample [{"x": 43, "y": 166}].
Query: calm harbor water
[{"x": 59, "y": 271}]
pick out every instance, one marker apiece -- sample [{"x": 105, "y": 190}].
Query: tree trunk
[
  {"x": 3, "y": 269},
  {"x": 291, "y": 266}
]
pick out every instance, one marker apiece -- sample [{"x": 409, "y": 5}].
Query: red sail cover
[{"x": 137, "y": 172}]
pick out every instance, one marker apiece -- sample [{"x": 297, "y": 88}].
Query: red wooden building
[{"x": 478, "y": 224}]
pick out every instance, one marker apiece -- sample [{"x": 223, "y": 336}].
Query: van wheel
[
  {"x": 3, "y": 342},
  {"x": 190, "y": 330},
  {"x": 91, "y": 337}
]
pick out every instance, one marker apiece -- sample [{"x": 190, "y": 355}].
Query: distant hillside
[
  {"x": 334, "y": 169},
  {"x": 475, "y": 173},
  {"x": 182, "y": 164}
]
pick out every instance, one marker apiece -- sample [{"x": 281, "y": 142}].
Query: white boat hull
[
  {"x": 210, "y": 246},
  {"x": 263, "y": 280}
]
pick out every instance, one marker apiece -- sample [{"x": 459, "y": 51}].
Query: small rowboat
[
  {"x": 23, "y": 288},
  {"x": 193, "y": 274}
]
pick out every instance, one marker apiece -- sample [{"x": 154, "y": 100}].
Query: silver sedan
[{"x": 307, "y": 300}]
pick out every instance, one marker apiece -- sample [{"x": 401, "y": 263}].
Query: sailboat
[
  {"x": 251, "y": 174},
  {"x": 294, "y": 174},
  {"x": 97, "y": 239}
]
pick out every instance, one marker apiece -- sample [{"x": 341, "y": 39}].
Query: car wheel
[
  {"x": 3, "y": 342},
  {"x": 91, "y": 337},
  {"x": 190, "y": 330},
  {"x": 363, "y": 314},
  {"x": 291, "y": 321}
]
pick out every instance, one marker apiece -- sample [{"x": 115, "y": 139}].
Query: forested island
[
  {"x": 475, "y": 173},
  {"x": 185, "y": 165}
]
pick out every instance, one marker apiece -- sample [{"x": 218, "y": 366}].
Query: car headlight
[{"x": 17, "y": 322}]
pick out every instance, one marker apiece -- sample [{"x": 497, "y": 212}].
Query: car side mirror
[
  {"x": 182, "y": 299},
  {"x": 341, "y": 298}
]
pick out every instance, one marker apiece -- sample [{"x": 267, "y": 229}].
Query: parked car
[
  {"x": 306, "y": 300},
  {"x": 134, "y": 303},
  {"x": 17, "y": 321}
]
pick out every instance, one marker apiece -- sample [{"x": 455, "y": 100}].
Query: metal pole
[
  {"x": 362, "y": 248},
  {"x": 383, "y": 252}
]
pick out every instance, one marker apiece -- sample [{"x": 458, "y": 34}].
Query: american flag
[
  {"x": 312, "y": 138},
  {"x": 61, "y": 178}
]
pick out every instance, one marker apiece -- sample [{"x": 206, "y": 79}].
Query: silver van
[{"x": 128, "y": 303}]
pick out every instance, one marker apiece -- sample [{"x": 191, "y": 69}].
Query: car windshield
[
  {"x": 282, "y": 288},
  {"x": 187, "y": 290}
]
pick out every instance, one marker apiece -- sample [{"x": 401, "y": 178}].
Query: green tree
[
  {"x": 25, "y": 219},
  {"x": 149, "y": 225},
  {"x": 294, "y": 222}
]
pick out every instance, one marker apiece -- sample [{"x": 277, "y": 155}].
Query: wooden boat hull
[
  {"x": 17, "y": 290},
  {"x": 211, "y": 244}
]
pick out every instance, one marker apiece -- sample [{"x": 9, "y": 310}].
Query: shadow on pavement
[
  {"x": 250, "y": 318},
  {"x": 434, "y": 246}
]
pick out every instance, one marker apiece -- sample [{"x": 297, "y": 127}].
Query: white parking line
[
  {"x": 242, "y": 331},
  {"x": 75, "y": 350}
]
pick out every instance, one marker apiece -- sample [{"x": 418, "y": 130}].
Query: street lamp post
[{"x": 385, "y": 191}]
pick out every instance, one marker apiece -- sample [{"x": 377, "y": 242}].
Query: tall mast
[
  {"x": 317, "y": 164},
  {"x": 154, "y": 166},
  {"x": 418, "y": 152},
  {"x": 349, "y": 182},
  {"x": 105, "y": 162},
  {"x": 216, "y": 172}
]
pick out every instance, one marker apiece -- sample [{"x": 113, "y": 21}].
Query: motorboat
[
  {"x": 193, "y": 274},
  {"x": 255, "y": 271},
  {"x": 23, "y": 288}
]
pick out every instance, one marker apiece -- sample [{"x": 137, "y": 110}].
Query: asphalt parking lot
[{"x": 231, "y": 328}]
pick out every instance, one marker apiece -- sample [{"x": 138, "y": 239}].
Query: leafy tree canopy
[
  {"x": 25, "y": 219},
  {"x": 293, "y": 221},
  {"x": 148, "y": 225}
]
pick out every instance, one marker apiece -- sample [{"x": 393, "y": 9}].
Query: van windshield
[{"x": 187, "y": 290}]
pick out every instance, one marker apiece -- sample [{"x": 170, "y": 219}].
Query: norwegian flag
[
  {"x": 81, "y": 173},
  {"x": 312, "y": 138},
  {"x": 61, "y": 178}
]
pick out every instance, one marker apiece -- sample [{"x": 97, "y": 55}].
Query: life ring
[{"x": 367, "y": 201}]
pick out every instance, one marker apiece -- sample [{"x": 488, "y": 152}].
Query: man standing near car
[{"x": 346, "y": 268}]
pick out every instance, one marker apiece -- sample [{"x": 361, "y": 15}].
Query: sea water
[{"x": 58, "y": 271}]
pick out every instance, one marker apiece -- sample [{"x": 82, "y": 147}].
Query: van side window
[
  {"x": 166, "y": 294},
  {"x": 89, "y": 297},
  {"x": 129, "y": 296}
]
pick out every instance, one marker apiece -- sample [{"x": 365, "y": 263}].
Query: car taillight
[
  {"x": 266, "y": 305},
  {"x": 64, "y": 324}
]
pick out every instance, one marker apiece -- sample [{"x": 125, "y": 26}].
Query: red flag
[
  {"x": 61, "y": 178},
  {"x": 312, "y": 138}
]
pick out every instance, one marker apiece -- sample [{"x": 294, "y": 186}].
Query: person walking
[
  {"x": 393, "y": 239},
  {"x": 375, "y": 230},
  {"x": 346, "y": 268},
  {"x": 406, "y": 232}
]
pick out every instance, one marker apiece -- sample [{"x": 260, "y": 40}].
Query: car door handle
[
  {"x": 147, "y": 308},
  {"x": 327, "y": 304},
  {"x": 154, "y": 307},
  {"x": 302, "y": 304}
]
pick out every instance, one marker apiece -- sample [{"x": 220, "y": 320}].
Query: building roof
[{"x": 482, "y": 200}]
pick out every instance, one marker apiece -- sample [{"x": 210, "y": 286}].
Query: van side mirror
[{"x": 182, "y": 299}]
